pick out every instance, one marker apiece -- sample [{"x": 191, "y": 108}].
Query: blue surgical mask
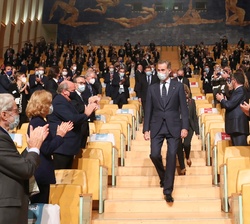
[
  {"x": 51, "y": 109},
  {"x": 148, "y": 73},
  {"x": 15, "y": 123},
  {"x": 9, "y": 72},
  {"x": 81, "y": 88},
  {"x": 121, "y": 74},
  {"x": 162, "y": 76}
]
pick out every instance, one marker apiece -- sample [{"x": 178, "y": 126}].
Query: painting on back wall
[{"x": 166, "y": 22}]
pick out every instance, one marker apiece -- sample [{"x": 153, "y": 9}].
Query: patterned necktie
[{"x": 164, "y": 93}]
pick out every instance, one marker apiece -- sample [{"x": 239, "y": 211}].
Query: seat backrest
[
  {"x": 236, "y": 151},
  {"x": 243, "y": 177},
  {"x": 72, "y": 176},
  {"x": 234, "y": 164},
  {"x": 67, "y": 197},
  {"x": 119, "y": 141},
  {"x": 94, "y": 153},
  {"x": 209, "y": 124},
  {"x": 221, "y": 146}
]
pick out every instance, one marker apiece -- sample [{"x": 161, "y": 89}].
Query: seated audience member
[
  {"x": 64, "y": 111},
  {"x": 39, "y": 106},
  {"x": 20, "y": 90},
  {"x": 15, "y": 169}
]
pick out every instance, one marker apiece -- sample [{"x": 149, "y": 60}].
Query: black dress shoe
[{"x": 169, "y": 198}]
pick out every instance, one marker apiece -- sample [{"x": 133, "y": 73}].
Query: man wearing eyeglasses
[{"x": 15, "y": 169}]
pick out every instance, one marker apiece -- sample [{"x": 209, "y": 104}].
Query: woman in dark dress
[
  {"x": 38, "y": 108},
  {"x": 185, "y": 144}
]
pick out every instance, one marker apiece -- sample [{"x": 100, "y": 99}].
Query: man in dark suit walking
[
  {"x": 166, "y": 117},
  {"x": 236, "y": 121}
]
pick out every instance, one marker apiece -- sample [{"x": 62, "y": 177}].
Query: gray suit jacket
[
  {"x": 174, "y": 113},
  {"x": 15, "y": 171}
]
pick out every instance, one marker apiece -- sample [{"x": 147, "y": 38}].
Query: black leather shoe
[{"x": 169, "y": 198}]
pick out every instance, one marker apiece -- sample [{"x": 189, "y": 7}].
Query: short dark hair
[{"x": 239, "y": 77}]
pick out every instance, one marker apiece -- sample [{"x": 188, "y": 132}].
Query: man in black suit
[
  {"x": 6, "y": 79},
  {"x": 166, "y": 117},
  {"x": 138, "y": 73},
  {"x": 145, "y": 80},
  {"x": 108, "y": 77},
  {"x": 181, "y": 78},
  {"x": 79, "y": 104},
  {"x": 64, "y": 111},
  {"x": 15, "y": 169},
  {"x": 236, "y": 122},
  {"x": 120, "y": 84},
  {"x": 38, "y": 80}
]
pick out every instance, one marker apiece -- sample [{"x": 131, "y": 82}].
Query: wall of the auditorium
[
  {"x": 167, "y": 22},
  {"x": 21, "y": 20}
]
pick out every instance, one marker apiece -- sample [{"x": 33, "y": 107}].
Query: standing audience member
[
  {"x": 15, "y": 169},
  {"x": 145, "y": 80},
  {"x": 6, "y": 78},
  {"x": 53, "y": 77},
  {"x": 79, "y": 104},
  {"x": 120, "y": 84},
  {"x": 38, "y": 108},
  {"x": 38, "y": 80},
  {"x": 236, "y": 122},
  {"x": 166, "y": 117},
  {"x": 20, "y": 90},
  {"x": 193, "y": 127},
  {"x": 64, "y": 111}
]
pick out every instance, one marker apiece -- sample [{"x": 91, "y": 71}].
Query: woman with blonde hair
[{"x": 38, "y": 108}]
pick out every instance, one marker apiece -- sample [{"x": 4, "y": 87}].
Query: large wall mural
[{"x": 114, "y": 21}]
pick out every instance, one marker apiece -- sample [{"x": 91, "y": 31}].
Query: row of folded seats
[
  {"x": 85, "y": 186},
  {"x": 230, "y": 164}
]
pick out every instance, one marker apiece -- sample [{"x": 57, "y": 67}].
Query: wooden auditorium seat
[
  {"x": 240, "y": 200},
  {"x": 235, "y": 158}
]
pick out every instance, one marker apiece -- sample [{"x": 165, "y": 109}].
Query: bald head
[{"x": 65, "y": 88}]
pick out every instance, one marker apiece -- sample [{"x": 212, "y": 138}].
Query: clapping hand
[
  {"x": 37, "y": 136},
  {"x": 64, "y": 128}
]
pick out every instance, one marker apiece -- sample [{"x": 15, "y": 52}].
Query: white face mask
[
  {"x": 111, "y": 69},
  {"x": 81, "y": 88},
  {"x": 121, "y": 74},
  {"x": 162, "y": 76},
  {"x": 64, "y": 73},
  {"x": 148, "y": 73},
  {"x": 15, "y": 123},
  {"x": 41, "y": 72},
  {"x": 74, "y": 68},
  {"x": 24, "y": 79},
  {"x": 51, "y": 109},
  {"x": 92, "y": 81}
]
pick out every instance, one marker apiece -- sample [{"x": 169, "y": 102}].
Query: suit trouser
[
  {"x": 62, "y": 161},
  {"x": 166, "y": 175},
  {"x": 239, "y": 139}
]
